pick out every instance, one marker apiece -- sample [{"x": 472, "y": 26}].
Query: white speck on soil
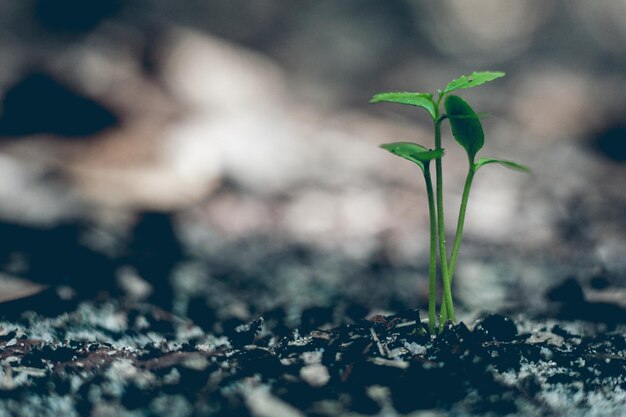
[
  {"x": 315, "y": 375},
  {"x": 310, "y": 358},
  {"x": 415, "y": 348},
  {"x": 171, "y": 405},
  {"x": 545, "y": 337},
  {"x": 546, "y": 354},
  {"x": 263, "y": 404},
  {"x": 197, "y": 363}
]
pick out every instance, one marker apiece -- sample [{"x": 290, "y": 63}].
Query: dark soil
[
  {"x": 112, "y": 358},
  {"x": 270, "y": 329}
]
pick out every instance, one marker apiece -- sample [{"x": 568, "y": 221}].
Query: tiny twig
[{"x": 381, "y": 349}]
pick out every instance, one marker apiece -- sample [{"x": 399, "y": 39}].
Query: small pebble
[
  {"x": 546, "y": 354},
  {"x": 316, "y": 375}
]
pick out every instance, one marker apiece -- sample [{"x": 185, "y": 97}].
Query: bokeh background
[{"x": 220, "y": 157}]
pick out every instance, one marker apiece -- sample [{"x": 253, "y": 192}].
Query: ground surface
[
  {"x": 271, "y": 328},
  {"x": 113, "y": 358}
]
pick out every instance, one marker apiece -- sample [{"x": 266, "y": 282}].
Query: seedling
[{"x": 468, "y": 132}]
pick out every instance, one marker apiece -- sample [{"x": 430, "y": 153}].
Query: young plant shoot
[{"x": 468, "y": 132}]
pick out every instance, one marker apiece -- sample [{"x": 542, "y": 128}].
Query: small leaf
[
  {"x": 423, "y": 100},
  {"x": 472, "y": 80},
  {"x": 466, "y": 127},
  {"x": 413, "y": 152},
  {"x": 503, "y": 162}
]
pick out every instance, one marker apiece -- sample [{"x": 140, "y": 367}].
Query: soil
[
  {"x": 269, "y": 328},
  {"x": 108, "y": 357}
]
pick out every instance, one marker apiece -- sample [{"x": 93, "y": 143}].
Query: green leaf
[
  {"x": 472, "y": 80},
  {"x": 480, "y": 115},
  {"x": 423, "y": 100},
  {"x": 503, "y": 162},
  {"x": 413, "y": 152},
  {"x": 466, "y": 127}
]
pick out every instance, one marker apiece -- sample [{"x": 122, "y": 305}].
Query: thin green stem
[
  {"x": 432, "y": 267},
  {"x": 459, "y": 231},
  {"x": 443, "y": 257},
  {"x": 461, "y": 222}
]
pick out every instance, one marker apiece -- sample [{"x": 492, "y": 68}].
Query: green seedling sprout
[{"x": 468, "y": 132}]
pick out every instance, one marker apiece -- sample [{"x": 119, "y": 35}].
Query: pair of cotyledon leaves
[{"x": 465, "y": 123}]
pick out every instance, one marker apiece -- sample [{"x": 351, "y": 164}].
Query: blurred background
[{"x": 220, "y": 157}]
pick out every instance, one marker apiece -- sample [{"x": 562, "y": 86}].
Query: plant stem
[
  {"x": 461, "y": 222},
  {"x": 443, "y": 257},
  {"x": 459, "y": 231},
  {"x": 432, "y": 267}
]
